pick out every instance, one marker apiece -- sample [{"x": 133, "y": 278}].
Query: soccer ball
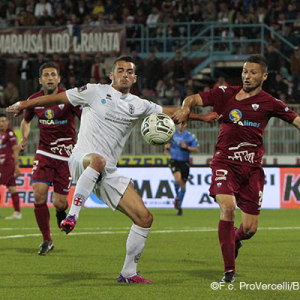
[{"x": 157, "y": 129}]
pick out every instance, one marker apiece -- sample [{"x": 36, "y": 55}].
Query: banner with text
[
  {"x": 63, "y": 40},
  {"x": 156, "y": 187}
]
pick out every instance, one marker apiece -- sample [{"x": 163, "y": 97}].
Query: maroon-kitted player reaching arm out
[{"x": 237, "y": 175}]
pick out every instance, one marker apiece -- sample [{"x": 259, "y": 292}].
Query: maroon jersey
[
  {"x": 57, "y": 127},
  {"x": 7, "y": 141},
  {"x": 242, "y": 123}
]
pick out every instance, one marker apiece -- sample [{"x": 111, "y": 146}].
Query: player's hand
[
  {"x": 17, "y": 171},
  {"x": 22, "y": 144},
  {"x": 181, "y": 115},
  {"x": 210, "y": 117},
  {"x": 16, "y": 108}
]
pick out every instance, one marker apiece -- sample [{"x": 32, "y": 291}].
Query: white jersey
[{"x": 107, "y": 119}]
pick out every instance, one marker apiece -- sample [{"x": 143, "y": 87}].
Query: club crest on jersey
[
  {"x": 61, "y": 106},
  {"x": 131, "y": 109},
  {"x": 235, "y": 115},
  {"x": 255, "y": 107},
  {"x": 49, "y": 114}
]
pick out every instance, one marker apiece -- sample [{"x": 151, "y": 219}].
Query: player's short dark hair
[
  {"x": 123, "y": 58},
  {"x": 258, "y": 59},
  {"x": 3, "y": 115},
  {"x": 50, "y": 64}
]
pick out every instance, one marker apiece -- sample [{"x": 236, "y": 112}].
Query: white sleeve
[
  {"x": 81, "y": 95},
  {"x": 151, "y": 107}
]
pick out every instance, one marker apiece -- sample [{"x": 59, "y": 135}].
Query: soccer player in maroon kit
[
  {"x": 9, "y": 164},
  {"x": 57, "y": 139},
  {"x": 237, "y": 175}
]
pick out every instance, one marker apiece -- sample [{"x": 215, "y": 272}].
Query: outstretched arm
[
  {"x": 47, "y": 100},
  {"x": 25, "y": 130},
  {"x": 189, "y": 102},
  {"x": 208, "y": 117}
]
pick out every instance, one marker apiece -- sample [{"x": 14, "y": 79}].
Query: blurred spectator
[
  {"x": 221, "y": 82},
  {"x": 80, "y": 10},
  {"x": 148, "y": 94},
  {"x": 98, "y": 8},
  {"x": 36, "y": 68},
  {"x": 10, "y": 94},
  {"x": 60, "y": 17},
  {"x": 25, "y": 72},
  {"x": 152, "y": 21},
  {"x": 71, "y": 65},
  {"x": 160, "y": 92},
  {"x": 180, "y": 68},
  {"x": 274, "y": 65},
  {"x": 71, "y": 82},
  {"x": 280, "y": 87},
  {"x": 107, "y": 63},
  {"x": 58, "y": 60},
  {"x": 177, "y": 99},
  {"x": 290, "y": 35},
  {"x": 28, "y": 19},
  {"x": 10, "y": 12},
  {"x": 96, "y": 70},
  {"x": 153, "y": 70},
  {"x": 40, "y": 8},
  {"x": 3, "y": 8},
  {"x": 167, "y": 7},
  {"x": 83, "y": 70},
  {"x": 295, "y": 70},
  {"x": 139, "y": 68},
  {"x": 169, "y": 92},
  {"x": 3, "y": 70},
  {"x": 110, "y": 7}
]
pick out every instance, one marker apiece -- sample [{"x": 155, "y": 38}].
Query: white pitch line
[{"x": 203, "y": 229}]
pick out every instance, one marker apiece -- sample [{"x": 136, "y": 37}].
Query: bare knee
[
  {"x": 145, "y": 220},
  {"x": 97, "y": 163},
  {"x": 40, "y": 197},
  {"x": 227, "y": 211}
]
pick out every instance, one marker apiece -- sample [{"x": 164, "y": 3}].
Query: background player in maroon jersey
[
  {"x": 9, "y": 164},
  {"x": 237, "y": 175},
  {"x": 57, "y": 139}
]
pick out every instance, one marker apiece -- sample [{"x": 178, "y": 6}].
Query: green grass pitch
[{"x": 182, "y": 257}]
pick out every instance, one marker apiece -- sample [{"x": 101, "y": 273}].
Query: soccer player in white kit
[{"x": 109, "y": 114}]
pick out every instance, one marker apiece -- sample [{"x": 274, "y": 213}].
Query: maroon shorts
[
  {"x": 7, "y": 176},
  {"x": 246, "y": 183},
  {"x": 53, "y": 172}
]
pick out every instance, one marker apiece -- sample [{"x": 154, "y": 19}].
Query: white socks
[
  {"x": 84, "y": 187},
  {"x": 135, "y": 244}
]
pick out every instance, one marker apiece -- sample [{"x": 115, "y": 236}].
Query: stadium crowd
[{"x": 282, "y": 15}]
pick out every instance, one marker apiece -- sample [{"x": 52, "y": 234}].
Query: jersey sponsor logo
[
  {"x": 131, "y": 109},
  {"x": 49, "y": 114},
  {"x": 103, "y": 101},
  {"x": 108, "y": 97},
  {"x": 53, "y": 122},
  {"x": 235, "y": 115},
  {"x": 255, "y": 106},
  {"x": 82, "y": 88}
]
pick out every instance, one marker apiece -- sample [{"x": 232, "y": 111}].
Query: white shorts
[{"x": 112, "y": 186}]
